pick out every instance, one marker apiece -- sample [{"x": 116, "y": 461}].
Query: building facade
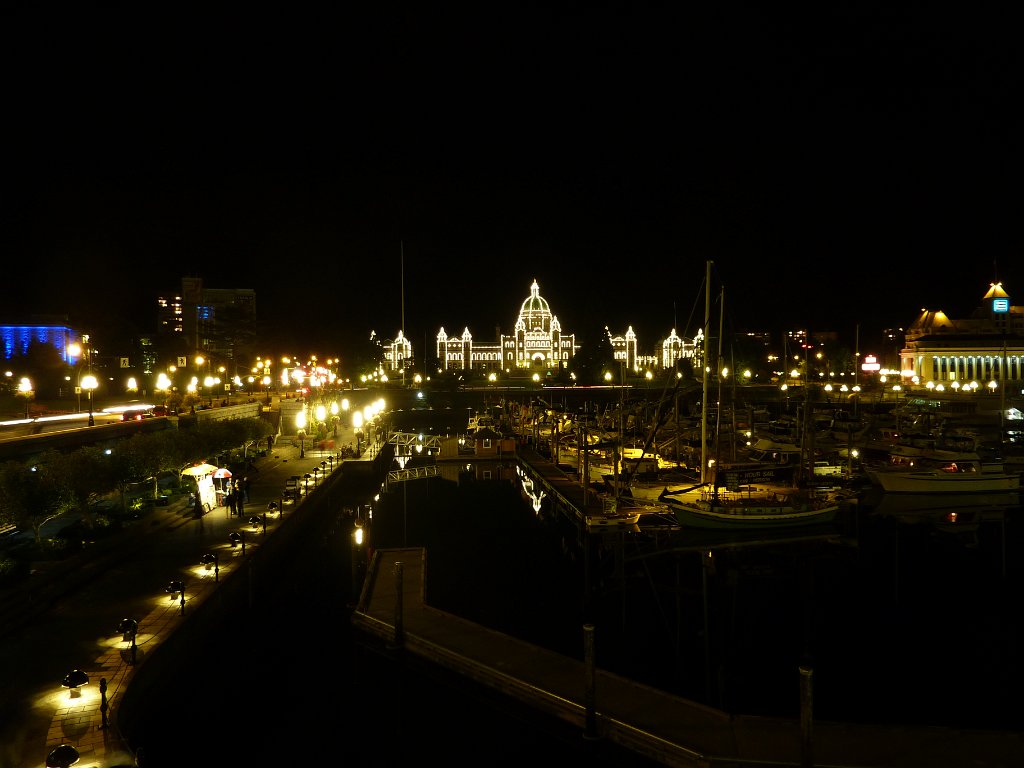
[
  {"x": 213, "y": 321},
  {"x": 15, "y": 338},
  {"x": 985, "y": 349},
  {"x": 538, "y": 343}
]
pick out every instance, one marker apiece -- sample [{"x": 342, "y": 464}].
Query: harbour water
[{"x": 913, "y": 621}]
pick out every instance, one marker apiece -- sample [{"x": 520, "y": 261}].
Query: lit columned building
[
  {"x": 538, "y": 343},
  {"x": 986, "y": 347}
]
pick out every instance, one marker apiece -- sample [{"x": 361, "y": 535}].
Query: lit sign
[
  {"x": 1000, "y": 305},
  {"x": 871, "y": 364}
]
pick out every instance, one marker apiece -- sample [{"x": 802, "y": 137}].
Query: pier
[{"x": 665, "y": 728}]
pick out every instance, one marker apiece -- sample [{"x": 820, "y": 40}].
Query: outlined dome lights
[{"x": 535, "y": 312}]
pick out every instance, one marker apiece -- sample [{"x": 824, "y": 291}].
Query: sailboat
[{"x": 746, "y": 503}]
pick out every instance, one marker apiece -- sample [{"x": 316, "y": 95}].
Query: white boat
[
  {"x": 622, "y": 519},
  {"x": 752, "y": 508},
  {"x": 481, "y": 421},
  {"x": 747, "y": 503},
  {"x": 955, "y": 477}
]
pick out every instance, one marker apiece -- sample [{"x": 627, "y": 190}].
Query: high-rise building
[{"x": 218, "y": 322}]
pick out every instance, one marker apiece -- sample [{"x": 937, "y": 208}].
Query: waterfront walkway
[{"x": 67, "y": 616}]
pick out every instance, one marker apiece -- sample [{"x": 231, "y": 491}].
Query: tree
[
  {"x": 594, "y": 356},
  {"x": 85, "y": 473},
  {"x": 32, "y": 494},
  {"x": 42, "y": 363}
]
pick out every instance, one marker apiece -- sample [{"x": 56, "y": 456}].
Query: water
[{"x": 901, "y": 623}]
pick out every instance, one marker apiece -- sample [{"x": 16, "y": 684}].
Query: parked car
[{"x": 136, "y": 414}]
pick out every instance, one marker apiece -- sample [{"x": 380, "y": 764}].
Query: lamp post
[
  {"x": 74, "y": 680},
  {"x": 208, "y": 382},
  {"x": 89, "y": 383},
  {"x": 357, "y": 425},
  {"x": 129, "y": 628},
  {"x": 62, "y": 756},
  {"x": 25, "y": 391},
  {"x": 300, "y": 423},
  {"x": 210, "y": 558},
  {"x": 75, "y": 351},
  {"x": 177, "y": 587}
]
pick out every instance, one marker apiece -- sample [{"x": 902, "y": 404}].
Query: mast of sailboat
[
  {"x": 401, "y": 248},
  {"x": 807, "y": 427},
  {"x": 718, "y": 386},
  {"x": 704, "y": 396}
]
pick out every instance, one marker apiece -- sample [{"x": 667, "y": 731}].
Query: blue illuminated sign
[{"x": 1000, "y": 305}]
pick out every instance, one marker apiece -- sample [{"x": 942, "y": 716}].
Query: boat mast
[
  {"x": 704, "y": 397},
  {"x": 401, "y": 247},
  {"x": 718, "y": 387}
]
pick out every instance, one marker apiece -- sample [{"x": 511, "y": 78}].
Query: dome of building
[{"x": 535, "y": 312}]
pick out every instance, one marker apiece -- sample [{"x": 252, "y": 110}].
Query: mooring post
[
  {"x": 590, "y": 687},
  {"x": 103, "y": 703},
  {"x": 399, "y": 638},
  {"x": 806, "y": 715}
]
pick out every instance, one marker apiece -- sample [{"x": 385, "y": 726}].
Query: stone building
[{"x": 985, "y": 349}]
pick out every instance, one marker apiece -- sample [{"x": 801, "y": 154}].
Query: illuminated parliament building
[{"x": 538, "y": 343}]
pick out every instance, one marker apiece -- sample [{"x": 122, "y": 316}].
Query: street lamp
[
  {"x": 300, "y": 423},
  {"x": 210, "y": 558},
  {"x": 89, "y": 383},
  {"x": 129, "y": 628},
  {"x": 25, "y": 391},
  {"x": 62, "y": 756},
  {"x": 357, "y": 425},
  {"x": 74, "y": 680},
  {"x": 177, "y": 587},
  {"x": 208, "y": 382}
]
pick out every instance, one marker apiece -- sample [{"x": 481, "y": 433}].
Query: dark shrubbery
[{"x": 13, "y": 569}]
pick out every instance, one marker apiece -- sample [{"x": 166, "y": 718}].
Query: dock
[{"x": 667, "y": 729}]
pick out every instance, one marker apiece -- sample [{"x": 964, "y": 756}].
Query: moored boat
[
  {"x": 751, "y": 501},
  {"x": 955, "y": 477},
  {"x": 762, "y": 508}
]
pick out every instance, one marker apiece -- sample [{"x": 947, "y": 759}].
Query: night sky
[{"x": 844, "y": 168}]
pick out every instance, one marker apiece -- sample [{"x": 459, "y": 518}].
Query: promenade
[{"x": 68, "y": 616}]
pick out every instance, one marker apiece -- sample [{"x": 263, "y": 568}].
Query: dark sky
[{"x": 845, "y": 167}]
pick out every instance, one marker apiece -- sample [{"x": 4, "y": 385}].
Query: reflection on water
[
  {"x": 906, "y": 609},
  {"x": 902, "y": 621}
]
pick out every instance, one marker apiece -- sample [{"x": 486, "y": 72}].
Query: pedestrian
[{"x": 230, "y": 500}]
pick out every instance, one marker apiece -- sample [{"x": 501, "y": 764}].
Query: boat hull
[
  {"x": 947, "y": 482},
  {"x": 702, "y": 514}
]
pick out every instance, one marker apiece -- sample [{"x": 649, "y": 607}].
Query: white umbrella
[
  {"x": 222, "y": 474},
  {"x": 199, "y": 470}
]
